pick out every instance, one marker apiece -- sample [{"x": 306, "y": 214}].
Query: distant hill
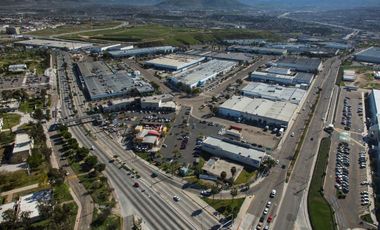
[
  {"x": 201, "y": 4},
  {"x": 311, "y": 4}
]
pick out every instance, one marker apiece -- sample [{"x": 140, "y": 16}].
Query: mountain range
[{"x": 212, "y": 4}]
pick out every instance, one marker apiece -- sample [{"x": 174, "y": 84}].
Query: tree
[
  {"x": 234, "y": 192},
  {"x": 66, "y": 135},
  {"x": 91, "y": 161},
  {"x": 82, "y": 153},
  {"x": 100, "y": 167},
  {"x": 233, "y": 170},
  {"x": 38, "y": 114},
  {"x": 35, "y": 160},
  {"x": 25, "y": 219},
  {"x": 55, "y": 176},
  {"x": 214, "y": 190},
  {"x": 223, "y": 175},
  {"x": 9, "y": 219}
]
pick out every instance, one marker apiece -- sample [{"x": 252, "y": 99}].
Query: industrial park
[{"x": 197, "y": 115}]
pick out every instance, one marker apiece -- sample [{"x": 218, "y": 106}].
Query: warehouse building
[
  {"x": 370, "y": 55},
  {"x": 374, "y": 130},
  {"x": 19, "y": 68},
  {"x": 274, "y": 92},
  {"x": 299, "y": 64},
  {"x": 349, "y": 75},
  {"x": 201, "y": 74},
  {"x": 142, "y": 51},
  {"x": 258, "y": 111},
  {"x": 235, "y": 151},
  {"x": 174, "y": 62},
  {"x": 282, "y": 76},
  {"x": 69, "y": 45},
  {"x": 258, "y": 50},
  {"x": 242, "y": 58},
  {"x": 100, "y": 82}
]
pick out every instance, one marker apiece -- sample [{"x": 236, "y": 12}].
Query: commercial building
[
  {"x": 22, "y": 148},
  {"x": 236, "y": 151},
  {"x": 258, "y": 50},
  {"x": 300, "y": 64},
  {"x": 274, "y": 92},
  {"x": 174, "y": 62},
  {"x": 282, "y": 76},
  {"x": 9, "y": 106},
  {"x": 349, "y": 75},
  {"x": 370, "y": 55},
  {"x": 374, "y": 130},
  {"x": 100, "y": 82},
  {"x": 142, "y": 51},
  {"x": 228, "y": 56},
  {"x": 69, "y": 45},
  {"x": 258, "y": 111},
  {"x": 28, "y": 203},
  {"x": 215, "y": 166},
  {"x": 162, "y": 102},
  {"x": 201, "y": 74},
  {"x": 19, "y": 68}
]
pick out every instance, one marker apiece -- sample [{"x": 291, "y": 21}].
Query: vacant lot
[
  {"x": 159, "y": 35},
  {"x": 226, "y": 207},
  {"x": 35, "y": 59}
]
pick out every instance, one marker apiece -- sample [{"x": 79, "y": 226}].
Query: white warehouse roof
[
  {"x": 175, "y": 61},
  {"x": 276, "y": 110},
  {"x": 235, "y": 149},
  {"x": 203, "y": 72},
  {"x": 274, "y": 92}
]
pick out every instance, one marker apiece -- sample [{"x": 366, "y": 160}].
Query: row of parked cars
[
  {"x": 347, "y": 114},
  {"x": 268, "y": 205},
  {"x": 362, "y": 160},
  {"x": 364, "y": 198},
  {"x": 342, "y": 178}
]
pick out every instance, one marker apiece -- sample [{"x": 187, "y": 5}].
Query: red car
[
  {"x": 136, "y": 185},
  {"x": 270, "y": 218}
]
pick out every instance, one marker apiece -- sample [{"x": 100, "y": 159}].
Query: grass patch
[
  {"x": 61, "y": 193},
  {"x": 30, "y": 105},
  {"x": 225, "y": 207},
  {"x": 111, "y": 222},
  {"x": 367, "y": 218},
  {"x": 159, "y": 35},
  {"x": 98, "y": 188},
  {"x": 49, "y": 223},
  {"x": 10, "y": 120},
  {"x": 245, "y": 176},
  {"x": 321, "y": 214},
  {"x": 6, "y": 138},
  {"x": 74, "y": 28},
  {"x": 203, "y": 184},
  {"x": 12, "y": 180}
]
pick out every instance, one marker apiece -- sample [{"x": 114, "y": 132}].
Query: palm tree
[
  {"x": 233, "y": 170},
  {"x": 223, "y": 175}
]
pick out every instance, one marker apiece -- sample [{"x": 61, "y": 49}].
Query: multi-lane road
[{"x": 153, "y": 200}]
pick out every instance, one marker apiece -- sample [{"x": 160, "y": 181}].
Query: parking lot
[
  {"x": 12, "y": 81},
  {"x": 184, "y": 134},
  {"x": 346, "y": 186}
]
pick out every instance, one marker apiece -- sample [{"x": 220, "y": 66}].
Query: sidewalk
[
  {"x": 17, "y": 190},
  {"x": 244, "y": 220}
]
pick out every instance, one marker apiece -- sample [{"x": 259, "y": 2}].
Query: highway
[
  {"x": 153, "y": 200},
  {"x": 285, "y": 213}
]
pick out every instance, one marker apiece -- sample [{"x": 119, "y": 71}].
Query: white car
[
  {"x": 268, "y": 204},
  {"x": 176, "y": 198},
  {"x": 273, "y": 193},
  {"x": 266, "y": 210}
]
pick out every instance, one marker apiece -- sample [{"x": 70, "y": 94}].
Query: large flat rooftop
[
  {"x": 301, "y": 62},
  {"x": 101, "y": 82},
  {"x": 175, "y": 61},
  {"x": 276, "y": 110},
  {"x": 71, "y": 45},
  {"x": 371, "y": 52},
  {"x": 274, "y": 92},
  {"x": 234, "y": 148},
  {"x": 203, "y": 72}
]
